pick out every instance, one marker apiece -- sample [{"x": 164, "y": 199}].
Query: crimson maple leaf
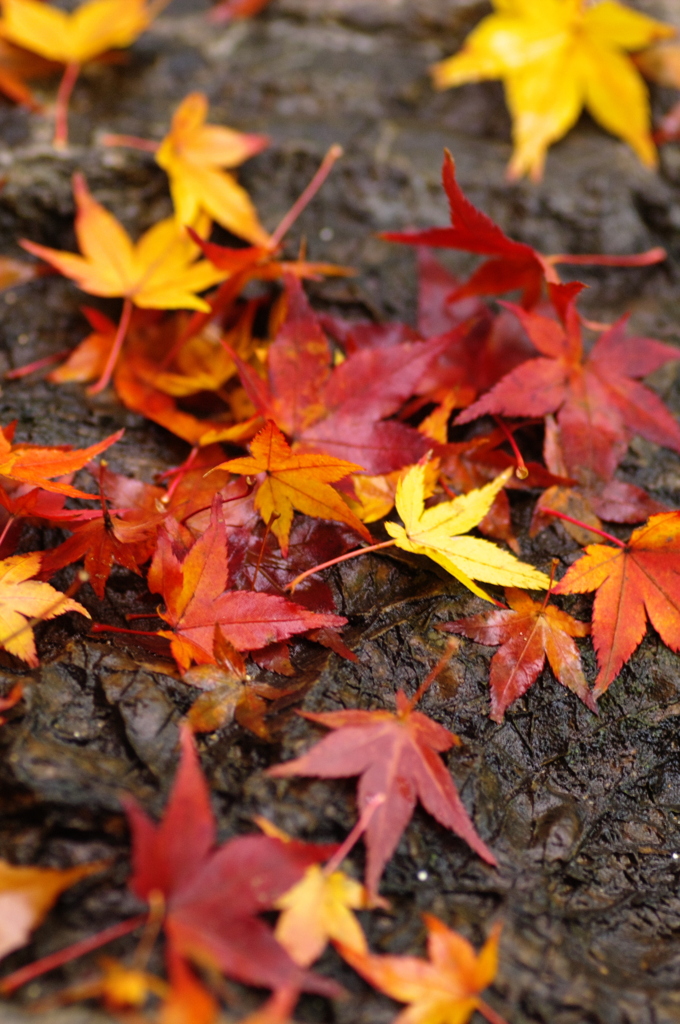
[
  {"x": 513, "y": 265},
  {"x": 212, "y": 895},
  {"x": 598, "y": 401},
  {"x": 395, "y": 754},
  {"x": 194, "y": 589},
  {"x": 340, "y": 410}
]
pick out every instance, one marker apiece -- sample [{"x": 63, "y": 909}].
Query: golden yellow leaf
[
  {"x": 23, "y": 598},
  {"x": 194, "y": 155},
  {"x": 160, "y": 271},
  {"x": 76, "y": 37},
  {"x": 555, "y": 57},
  {"x": 319, "y": 908},
  {"x": 437, "y": 532}
]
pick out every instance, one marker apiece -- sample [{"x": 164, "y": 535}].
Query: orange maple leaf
[
  {"x": 293, "y": 481},
  {"x": 32, "y": 464},
  {"x": 160, "y": 271},
  {"x": 28, "y": 893},
  {"x": 634, "y": 582},
  {"x": 23, "y": 598},
  {"x": 445, "y": 988}
]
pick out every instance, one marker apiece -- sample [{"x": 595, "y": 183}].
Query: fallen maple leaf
[
  {"x": 527, "y": 632},
  {"x": 318, "y": 908},
  {"x": 555, "y": 58},
  {"x": 193, "y": 153},
  {"x": 160, "y": 271},
  {"x": 212, "y": 896},
  {"x": 28, "y": 893},
  {"x": 23, "y": 598},
  {"x": 340, "y": 410},
  {"x": 442, "y": 990},
  {"x": 599, "y": 403},
  {"x": 438, "y": 533},
  {"x": 33, "y": 464},
  {"x": 513, "y": 265},
  {"x": 395, "y": 755},
  {"x": 125, "y": 537},
  {"x": 74, "y": 38},
  {"x": 588, "y": 497},
  {"x": 293, "y": 481},
  {"x": 634, "y": 582},
  {"x": 196, "y": 599}
]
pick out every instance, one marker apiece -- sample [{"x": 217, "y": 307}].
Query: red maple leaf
[
  {"x": 340, "y": 410},
  {"x": 527, "y": 632},
  {"x": 395, "y": 754},
  {"x": 213, "y": 895},
  {"x": 513, "y": 265},
  {"x": 598, "y": 401},
  {"x": 194, "y": 588}
]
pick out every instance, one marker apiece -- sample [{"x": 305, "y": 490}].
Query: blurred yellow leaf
[
  {"x": 194, "y": 155},
  {"x": 555, "y": 57}
]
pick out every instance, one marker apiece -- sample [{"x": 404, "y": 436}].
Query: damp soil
[{"x": 583, "y": 812}]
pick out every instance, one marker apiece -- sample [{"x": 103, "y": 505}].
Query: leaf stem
[
  {"x": 123, "y": 325},
  {"x": 491, "y": 1015},
  {"x": 336, "y": 561},
  {"x": 130, "y": 141},
  {"x": 451, "y": 648},
  {"x": 362, "y": 824},
  {"x": 521, "y": 471},
  {"x": 333, "y": 154},
  {"x": 68, "y": 80},
  {"x": 584, "y": 526},
  {"x": 63, "y": 956},
  {"x": 642, "y": 259},
  {"x": 101, "y": 627}
]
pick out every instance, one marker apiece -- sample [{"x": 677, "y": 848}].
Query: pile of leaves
[{"x": 312, "y": 440}]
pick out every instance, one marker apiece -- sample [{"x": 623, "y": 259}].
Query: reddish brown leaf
[{"x": 527, "y": 632}]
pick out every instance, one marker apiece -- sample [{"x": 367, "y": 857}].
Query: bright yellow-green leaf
[
  {"x": 437, "y": 532},
  {"x": 318, "y": 908},
  {"x": 75, "y": 37},
  {"x": 555, "y": 57}
]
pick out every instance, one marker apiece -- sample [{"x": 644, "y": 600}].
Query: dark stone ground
[{"x": 583, "y": 813}]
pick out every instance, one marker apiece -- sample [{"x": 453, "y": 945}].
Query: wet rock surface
[{"x": 583, "y": 812}]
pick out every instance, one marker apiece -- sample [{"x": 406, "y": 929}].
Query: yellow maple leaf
[
  {"x": 78, "y": 36},
  {"x": 23, "y": 598},
  {"x": 160, "y": 271},
  {"x": 193, "y": 154},
  {"x": 74, "y": 38},
  {"x": 318, "y": 908},
  {"x": 293, "y": 481},
  {"x": 437, "y": 532},
  {"x": 27, "y": 894},
  {"x": 555, "y": 57},
  {"x": 442, "y": 990}
]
